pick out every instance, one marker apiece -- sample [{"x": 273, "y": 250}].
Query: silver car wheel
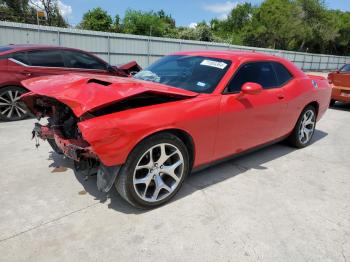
[
  {"x": 158, "y": 172},
  {"x": 10, "y": 104},
  {"x": 307, "y": 126}
]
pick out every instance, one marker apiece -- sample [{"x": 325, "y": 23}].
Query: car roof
[
  {"x": 244, "y": 56},
  {"x": 230, "y": 54},
  {"x": 15, "y": 48}
]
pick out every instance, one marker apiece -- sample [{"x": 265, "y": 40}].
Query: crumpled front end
[
  {"x": 63, "y": 134},
  {"x": 77, "y": 107}
]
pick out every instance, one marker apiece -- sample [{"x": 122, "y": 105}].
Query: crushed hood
[{"x": 84, "y": 93}]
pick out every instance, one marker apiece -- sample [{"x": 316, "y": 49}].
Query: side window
[
  {"x": 283, "y": 75},
  {"x": 83, "y": 61},
  {"x": 20, "y": 57},
  {"x": 345, "y": 68},
  {"x": 256, "y": 72},
  {"x": 46, "y": 58}
]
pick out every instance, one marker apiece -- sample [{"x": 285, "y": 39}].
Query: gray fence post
[
  {"x": 148, "y": 51},
  {"x": 109, "y": 49},
  {"x": 58, "y": 38},
  {"x": 327, "y": 67}
]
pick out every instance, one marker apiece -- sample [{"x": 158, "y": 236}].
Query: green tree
[
  {"x": 275, "y": 24},
  {"x": 148, "y": 23},
  {"x": 232, "y": 29},
  {"x": 97, "y": 19},
  {"x": 17, "y": 11}
]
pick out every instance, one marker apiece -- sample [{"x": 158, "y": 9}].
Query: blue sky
[{"x": 185, "y": 12}]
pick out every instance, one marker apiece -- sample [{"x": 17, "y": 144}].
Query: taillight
[{"x": 330, "y": 81}]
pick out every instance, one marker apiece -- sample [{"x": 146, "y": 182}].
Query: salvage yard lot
[{"x": 277, "y": 204}]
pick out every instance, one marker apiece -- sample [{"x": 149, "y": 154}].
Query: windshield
[
  {"x": 345, "y": 68},
  {"x": 194, "y": 73}
]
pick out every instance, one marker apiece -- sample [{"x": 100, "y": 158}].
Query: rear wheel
[
  {"x": 11, "y": 107},
  {"x": 154, "y": 171},
  {"x": 304, "y": 129}
]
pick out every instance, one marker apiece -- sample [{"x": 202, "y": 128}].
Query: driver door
[{"x": 247, "y": 121}]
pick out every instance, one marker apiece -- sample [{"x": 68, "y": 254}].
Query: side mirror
[{"x": 251, "y": 88}]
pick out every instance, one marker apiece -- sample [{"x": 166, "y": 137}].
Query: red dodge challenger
[{"x": 186, "y": 111}]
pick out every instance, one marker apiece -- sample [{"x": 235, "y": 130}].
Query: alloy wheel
[
  {"x": 307, "y": 126},
  {"x": 158, "y": 172},
  {"x": 10, "y": 105}
]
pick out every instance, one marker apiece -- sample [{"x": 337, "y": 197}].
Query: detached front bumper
[
  {"x": 75, "y": 149},
  {"x": 341, "y": 94},
  {"x": 79, "y": 151}
]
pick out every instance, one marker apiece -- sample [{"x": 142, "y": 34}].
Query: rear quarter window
[{"x": 282, "y": 73}]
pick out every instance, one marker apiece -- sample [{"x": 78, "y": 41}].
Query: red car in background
[
  {"x": 340, "y": 81},
  {"x": 186, "y": 111},
  {"x": 20, "y": 62}
]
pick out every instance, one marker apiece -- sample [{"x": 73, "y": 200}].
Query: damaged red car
[{"x": 184, "y": 112}]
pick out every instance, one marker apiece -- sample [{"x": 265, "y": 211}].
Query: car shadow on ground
[
  {"x": 196, "y": 181},
  {"x": 341, "y": 106}
]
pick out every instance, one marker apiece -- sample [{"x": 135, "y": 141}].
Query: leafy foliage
[{"x": 97, "y": 20}]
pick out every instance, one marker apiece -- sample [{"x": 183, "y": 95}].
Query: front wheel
[
  {"x": 304, "y": 129},
  {"x": 154, "y": 171}
]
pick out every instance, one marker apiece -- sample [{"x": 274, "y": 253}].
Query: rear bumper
[{"x": 341, "y": 94}]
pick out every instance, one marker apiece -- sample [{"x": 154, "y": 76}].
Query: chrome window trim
[{"x": 67, "y": 68}]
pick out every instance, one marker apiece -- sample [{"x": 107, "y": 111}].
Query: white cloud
[
  {"x": 65, "y": 10},
  {"x": 221, "y": 8},
  {"x": 192, "y": 25},
  {"x": 223, "y": 16}
]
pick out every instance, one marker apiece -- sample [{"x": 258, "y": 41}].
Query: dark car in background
[{"x": 20, "y": 62}]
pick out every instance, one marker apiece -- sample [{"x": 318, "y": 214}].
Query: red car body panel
[{"x": 218, "y": 124}]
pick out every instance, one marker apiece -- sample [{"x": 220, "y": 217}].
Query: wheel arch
[
  {"x": 13, "y": 85},
  {"x": 315, "y": 104}
]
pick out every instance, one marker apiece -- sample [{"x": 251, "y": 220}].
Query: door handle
[{"x": 280, "y": 97}]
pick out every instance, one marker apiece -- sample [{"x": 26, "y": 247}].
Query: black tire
[
  {"x": 124, "y": 182},
  {"x": 294, "y": 138},
  {"x": 11, "y": 110},
  {"x": 54, "y": 146},
  {"x": 332, "y": 103}
]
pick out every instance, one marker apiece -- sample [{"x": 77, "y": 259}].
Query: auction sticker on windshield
[{"x": 212, "y": 63}]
